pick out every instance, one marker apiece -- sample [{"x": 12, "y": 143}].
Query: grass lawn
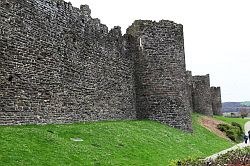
[
  {"x": 105, "y": 143},
  {"x": 230, "y": 120}
]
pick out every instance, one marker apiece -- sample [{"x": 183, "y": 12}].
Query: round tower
[
  {"x": 160, "y": 73},
  {"x": 201, "y": 95},
  {"x": 216, "y": 100}
]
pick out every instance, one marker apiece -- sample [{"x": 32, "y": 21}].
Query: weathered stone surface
[
  {"x": 189, "y": 84},
  {"x": 216, "y": 100},
  {"x": 60, "y": 65},
  {"x": 200, "y": 98},
  {"x": 161, "y": 92},
  {"x": 201, "y": 95}
]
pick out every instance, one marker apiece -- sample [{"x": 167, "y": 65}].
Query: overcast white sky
[{"x": 216, "y": 34}]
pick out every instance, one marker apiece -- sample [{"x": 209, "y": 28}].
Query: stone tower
[
  {"x": 160, "y": 73},
  {"x": 216, "y": 100},
  {"x": 201, "y": 95}
]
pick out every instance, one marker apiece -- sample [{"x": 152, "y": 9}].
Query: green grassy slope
[
  {"x": 105, "y": 143},
  {"x": 230, "y": 120}
]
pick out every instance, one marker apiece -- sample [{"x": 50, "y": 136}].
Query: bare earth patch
[{"x": 211, "y": 124}]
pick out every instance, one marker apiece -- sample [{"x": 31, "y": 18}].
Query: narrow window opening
[
  {"x": 141, "y": 46},
  {"x": 10, "y": 78},
  {"x": 7, "y": 5}
]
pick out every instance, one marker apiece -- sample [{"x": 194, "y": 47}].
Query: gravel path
[{"x": 240, "y": 145}]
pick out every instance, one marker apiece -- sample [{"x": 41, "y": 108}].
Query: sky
[{"x": 216, "y": 35}]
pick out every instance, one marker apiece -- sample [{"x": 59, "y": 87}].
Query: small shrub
[
  {"x": 223, "y": 127},
  {"x": 233, "y": 132},
  {"x": 237, "y": 125}
]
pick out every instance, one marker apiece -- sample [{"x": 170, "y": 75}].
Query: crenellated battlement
[{"x": 60, "y": 65}]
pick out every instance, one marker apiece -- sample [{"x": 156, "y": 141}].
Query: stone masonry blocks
[
  {"x": 60, "y": 65},
  {"x": 216, "y": 100},
  {"x": 160, "y": 82},
  {"x": 201, "y": 95}
]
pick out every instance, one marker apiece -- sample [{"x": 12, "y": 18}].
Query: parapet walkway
[{"x": 240, "y": 145}]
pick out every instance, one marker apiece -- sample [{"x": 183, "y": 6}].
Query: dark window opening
[
  {"x": 10, "y": 78},
  {"x": 43, "y": 54},
  {"x": 7, "y": 5},
  {"x": 58, "y": 49},
  {"x": 74, "y": 39}
]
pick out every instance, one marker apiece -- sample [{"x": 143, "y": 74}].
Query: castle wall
[
  {"x": 161, "y": 92},
  {"x": 201, "y": 95},
  {"x": 59, "y": 65},
  {"x": 216, "y": 100},
  {"x": 189, "y": 84}
]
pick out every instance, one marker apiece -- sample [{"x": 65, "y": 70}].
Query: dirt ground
[{"x": 211, "y": 125}]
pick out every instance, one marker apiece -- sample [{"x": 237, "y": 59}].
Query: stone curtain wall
[
  {"x": 202, "y": 98},
  {"x": 59, "y": 65},
  {"x": 189, "y": 84},
  {"x": 216, "y": 100},
  {"x": 161, "y": 92},
  {"x": 201, "y": 95}
]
